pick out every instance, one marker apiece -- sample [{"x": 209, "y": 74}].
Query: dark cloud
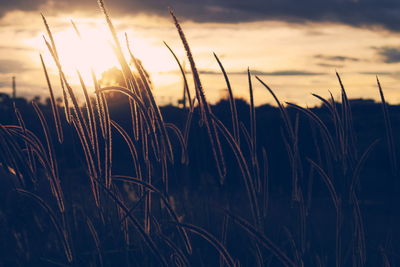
[
  {"x": 16, "y": 48},
  {"x": 353, "y": 12},
  {"x": 261, "y": 73},
  {"x": 327, "y": 65},
  {"x": 11, "y": 66},
  {"x": 378, "y": 73},
  {"x": 389, "y": 54},
  {"x": 337, "y": 58},
  {"x": 25, "y": 5}
]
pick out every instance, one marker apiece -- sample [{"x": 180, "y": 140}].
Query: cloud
[
  {"x": 11, "y": 66},
  {"x": 389, "y": 54},
  {"x": 16, "y": 48},
  {"x": 327, "y": 65},
  {"x": 23, "y": 5},
  {"x": 337, "y": 58},
  {"x": 381, "y": 73},
  {"x": 352, "y": 12}
]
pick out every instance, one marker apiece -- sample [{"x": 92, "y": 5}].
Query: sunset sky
[{"x": 294, "y": 46}]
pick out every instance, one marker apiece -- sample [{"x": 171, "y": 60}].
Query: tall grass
[{"x": 136, "y": 218}]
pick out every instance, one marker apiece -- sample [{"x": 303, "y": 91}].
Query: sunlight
[
  {"x": 90, "y": 51},
  {"x": 93, "y": 49}
]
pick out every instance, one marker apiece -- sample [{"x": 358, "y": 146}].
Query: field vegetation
[{"x": 121, "y": 181}]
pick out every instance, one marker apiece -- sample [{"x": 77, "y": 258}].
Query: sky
[{"x": 294, "y": 47}]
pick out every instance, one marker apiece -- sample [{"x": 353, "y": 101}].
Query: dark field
[
  {"x": 121, "y": 181},
  {"x": 304, "y": 229}
]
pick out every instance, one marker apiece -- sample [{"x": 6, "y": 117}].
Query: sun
[{"x": 88, "y": 49}]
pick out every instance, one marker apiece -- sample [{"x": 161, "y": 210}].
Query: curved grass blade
[
  {"x": 96, "y": 239},
  {"x": 56, "y": 114},
  {"x": 210, "y": 239},
  {"x": 360, "y": 164},
  {"x": 180, "y": 139},
  {"x": 24, "y": 131},
  {"x": 50, "y": 150},
  {"x": 164, "y": 200},
  {"x": 204, "y": 106},
  {"x": 320, "y": 123},
  {"x": 55, "y": 222},
  {"x": 389, "y": 130},
  {"x": 146, "y": 237},
  {"x": 131, "y": 147},
  {"x": 251, "y": 192},
  {"x": 283, "y": 111},
  {"x": 262, "y": 239},
  {"x": 232, "y": 103},
  {"x": 183, "y": 75}
]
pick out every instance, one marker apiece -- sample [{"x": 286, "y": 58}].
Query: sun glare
[{"x": 91, "y": 50}]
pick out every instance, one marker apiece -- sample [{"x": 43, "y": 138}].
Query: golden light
[{"x": 91, "y": 50}]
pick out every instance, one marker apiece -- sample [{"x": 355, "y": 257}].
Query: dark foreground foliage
[{"x": 121, "y": 181}]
